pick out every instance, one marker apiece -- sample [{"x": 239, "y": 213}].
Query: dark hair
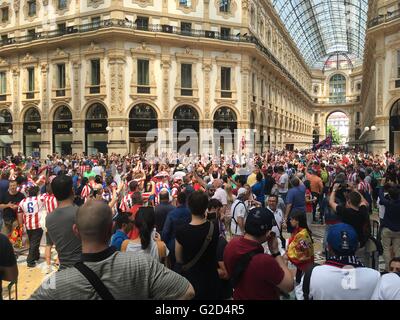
[
  {"x": 98, "y": 179},
  {"x": 214, "y": 203},
  {"x": 354, "y": 198},
  {"x": 395, "y": 259},
  {"x": 109, "y": 180},
  {"x": 137, "y": 198},
  {"x": 259, "y": 176},
  {"x": 301, "y": 217},
  {"x": 182, "y": 198},
  {"x": 198, "y": 203},
  {"x": 280, "y": 169},
  {"x": 274, "y": 196},
  {"x": 121, "y": 219},
  {"x": 20, "y": 179},
  {"x": 295, "y": 182},
  {"x": 394, "y": 193},
  {"x": 145, "y": 220},
  {"x": 33, "y": 191},
  {"x": 164, "y": 196},
  {"x": 133, "y": 185},
  {"x": 307, "y": 184},
  {"x": 62, "y": 187}
]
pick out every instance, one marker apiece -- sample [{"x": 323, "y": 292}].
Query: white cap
[{"x": 241, "y": 191}]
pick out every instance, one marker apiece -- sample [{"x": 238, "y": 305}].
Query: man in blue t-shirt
[{"x": 296, "y": 198}]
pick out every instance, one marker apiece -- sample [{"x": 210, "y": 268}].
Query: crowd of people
[{"x": 203, "y": 226}]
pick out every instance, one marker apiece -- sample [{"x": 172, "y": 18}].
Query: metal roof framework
[{"x": 321, "y": 28}]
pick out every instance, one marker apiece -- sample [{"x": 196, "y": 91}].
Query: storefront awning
[{"x": 6, "y": 139}]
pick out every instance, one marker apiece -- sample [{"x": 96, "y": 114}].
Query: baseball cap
[
  {"x": 259, "y": 221},
  {"x": 241, "y": 191},
  {"x": 342, "y": 238}
]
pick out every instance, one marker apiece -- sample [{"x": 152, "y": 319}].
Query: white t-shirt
[
  {"x": 220, "y": 194},
  {"x": 388, "y": 287},
  {"x": 381, "y": 208},
  {"x": 284, "y": 179},
  {"x": 98, "y": 170},
  {"x": 238, "y": 209},
  {"x": 278, "y": 214},
  {"x": 332, "y": 283}
]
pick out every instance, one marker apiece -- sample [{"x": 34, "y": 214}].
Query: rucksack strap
[
  {"x": 206, "y": 242},
  {"x": 306, "y": 282},
  {"x": 241, "y": 266},
  {"x": 398, "y": 273},
  {"x": 233, "y": 214},
  {"x": 95, "y": 281}
]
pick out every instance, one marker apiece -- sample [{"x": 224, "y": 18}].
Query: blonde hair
[{"x": 228, "y": 190}]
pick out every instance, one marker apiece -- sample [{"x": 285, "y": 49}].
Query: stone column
[
  {"x": 45, "y": 144},
  {"x": 17, "y": 125},
  {"x": 165, "y": 118},
  {"x": 117, "y": 138},
  {"x": 78, "y": 119}
]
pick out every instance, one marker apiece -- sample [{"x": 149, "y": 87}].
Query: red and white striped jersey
[
  {"x": 86, "y": 191},
  {"x": 50, "y": 202},
  {"x": 126, "y": 203},
  {"x": 31, "y": 208}
]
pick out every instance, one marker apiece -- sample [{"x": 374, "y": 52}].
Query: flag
[{"x": 324, "y": 144}]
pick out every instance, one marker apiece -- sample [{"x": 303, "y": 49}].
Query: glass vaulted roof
[{"x": 322, "y": 28}]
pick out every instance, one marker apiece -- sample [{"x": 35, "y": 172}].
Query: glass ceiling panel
[{"x": 323, "y": 27}]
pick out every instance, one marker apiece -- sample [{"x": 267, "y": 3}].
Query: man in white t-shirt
[
  {"x": 239, "y": 213},
  {"x": 283, "y": 183},
  {"x": 343, "y": 276},
  {"x": 388, "y": 287},
  {"x": 278, "y": 215},
  {"x": 220, "y": 194}
]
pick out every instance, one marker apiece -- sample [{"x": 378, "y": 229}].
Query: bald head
[
  {"x": 94, "y": 221},
  {"x": 217, "y": 183}
]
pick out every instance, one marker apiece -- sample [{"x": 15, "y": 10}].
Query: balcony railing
[
  {"x": 3, "y": 97},
  {"x": 143, "y": 89},
  {"x": 60, "y": 93},
  {"x": 94, "y": 89},
  {"x": 382, "y": 18},
  {"x": 117, "y": 23}
]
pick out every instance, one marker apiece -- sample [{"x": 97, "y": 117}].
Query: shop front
[
  {"x": 143, "y": 124},
  {"x": 96, "y": 135},
  {"x": 6, "y": 130},
  {"x": 225, "y": 126},
  {"x": 186, "y": 137},
  {"x": 62, "y": 131},
  {"x": 32, "y": 133}
]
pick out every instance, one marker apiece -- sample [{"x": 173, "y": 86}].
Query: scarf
[{"x": 342, "y": 261}]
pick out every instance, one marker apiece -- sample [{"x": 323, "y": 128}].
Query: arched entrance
[
  {"x": 394, "y": 128},
  {"x": 142, "y": 119},
  {"x": 62, "y": 136},
  {"x": 188, "y": 128},
  {"x": 253, "y": 131},
  {"x": 225, "y": 124},
  {"x": 32, "y": 133},
  {"x": 6, "y": 128},
  {"x": 96, "y": 137},
  {"x": 338, "y": 123}
]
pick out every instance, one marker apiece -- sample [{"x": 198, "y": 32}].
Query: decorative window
[
  {"x": 4, "y": 14},
  {"x": 226, "y": 8},
  {"x": 187, "y": 6},
  {"x": 95, "y": 76},
  {"x": 337, "y": 89},
  {"x": 32, "y": 115},
  {"x": 32, "y": 8},
  {"x": 61, "y": 76},
  {"x": 3, "y": 83},
  {"x": 63, "y": 113},
  {"x": 185, "y": 3},
  {"x": 186, "y": 80},
  {"x": 95, "y": 3},
  {"x": 226, "y": 82},
  {"x": 61, "y": 4},
  {"x": 143, "y": 76},
  {"x": 142, "y": 23},
  {"x": 398, "y": 63},
  {"x": 186, "y": 27},
  {"x": 31, "y": 79}
]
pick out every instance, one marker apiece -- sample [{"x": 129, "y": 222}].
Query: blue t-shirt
[
  {"x": 117, "y": 238},
  {"x": 297, "y": 197},
  {"x": 258, "y": 190}
]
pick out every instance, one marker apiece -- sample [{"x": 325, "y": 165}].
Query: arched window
[
  {"x": 143, "y": 111},
  {"x": 96, "y": 111},
  {"x": 5, "y": 116},
  {"x": 357, "y": 134},
  {"x": 394, "y": 130},
  {"x": 225, "y": 114},
  {"x": 395, "y": 112},
  {"x": 337, "y": 89},
  {"x": 63, "y": 113},
  {"x": 186, "y": 113},
  {"x": 32, "y": 115}
]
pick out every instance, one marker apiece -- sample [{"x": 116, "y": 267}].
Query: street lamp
[
  {"x": 38, "y": 130},
  {"x": 373, "y": 128},
  {"x": 71, "y": 130},
  {"x": 9, "y": 131}
]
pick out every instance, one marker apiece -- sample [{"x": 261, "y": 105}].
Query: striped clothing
[
  {"x": 126, "y": 203},
  {"x": 50, "y": 202},
  {"x": 86, "y": 191},
  {"x": 31, "y": 208},
  {"x": 364, "y": 187}
]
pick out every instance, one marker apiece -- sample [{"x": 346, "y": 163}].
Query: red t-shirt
[
  {"x": 134, "y": 233},
  {"x": 262, "y": 275}
]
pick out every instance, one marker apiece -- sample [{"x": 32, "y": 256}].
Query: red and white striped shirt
[
  {"x": 86, "y": 191},
  {"x": 126, "y": 203},
  {"x": 31, "y": 208},
  {"x": 50, "y": 202}
]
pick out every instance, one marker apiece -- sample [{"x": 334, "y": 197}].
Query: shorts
[{"x": 49, "y": 242}]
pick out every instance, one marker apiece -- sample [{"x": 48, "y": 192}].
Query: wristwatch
[{"x": 276, "y": 254}]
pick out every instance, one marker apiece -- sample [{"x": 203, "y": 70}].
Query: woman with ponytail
[{"x": 148, "y": 241}]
